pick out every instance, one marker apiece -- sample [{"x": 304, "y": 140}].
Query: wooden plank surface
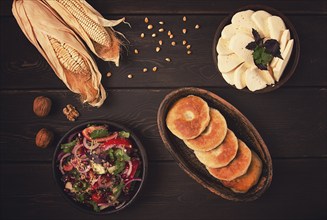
[
  {"x": 293, "y": 125},
  {"x": 193, "y": 6},
  {"x": 292, "y": 120},
  {"x": 174, "y": 195},
  {"x": 22, "y": 61}
]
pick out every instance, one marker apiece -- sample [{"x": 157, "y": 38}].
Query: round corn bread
[
  {"x": 243, "y": 183},
  {"x": 237, "y": 167},
  {"x": 222, "y": 155},
  {"x": 213, "y": 136},
  {"x": 188, "y": 117}
]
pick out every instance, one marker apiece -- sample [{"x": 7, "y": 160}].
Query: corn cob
[
  {"x": 69, "y": 58},
  {"x": 62, "y": 48},
  {"x": 95, "y": 31}
]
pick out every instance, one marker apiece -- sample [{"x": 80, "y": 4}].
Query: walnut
[
  {"x": 43, "y": 138},
  {"x": 42, "y": 106},
  {"x": 70, "y": 112}
]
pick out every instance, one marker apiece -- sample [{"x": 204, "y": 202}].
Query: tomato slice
[
  {"x": 119, "y": 141},
  {"x": 97, "y": 197},
  {"x": 68, "y": 167}
]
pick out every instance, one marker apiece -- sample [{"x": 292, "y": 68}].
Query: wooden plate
[
  {"x": 237, "y": 122},
  {"x": 112, "y": 127},
  {"x": 293, "y": 61}
]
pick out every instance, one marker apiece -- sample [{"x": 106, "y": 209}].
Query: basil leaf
[
  {"x": 119, "y": 167},
  {"x": 68, "y": 147},
  {"x": 80, "y": 197},
  {"x": 257, "y": 37},
  {"x": 266, "y": 58},
  {"x": 99, "y": 133},
  {"x": 111, "y": 154},
  {"x": 273, "y": 48},
  {"x": 121, "y": 155},
  {"x": 257, "y": 53},
  {"x": 251, "y": 46},
  {"x": 95, "y": 206},
  {"x": 124, "y": 134},
  {"x": 117, "y": 190}
]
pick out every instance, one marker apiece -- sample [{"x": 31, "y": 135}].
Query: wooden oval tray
[
  {"x": 237, "y": 122},
  {"x": 295, "y": 56}
]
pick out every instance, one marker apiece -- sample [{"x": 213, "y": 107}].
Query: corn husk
[
  {"x": 73, "y": 11},
  {"x": 40, "y": 24}
]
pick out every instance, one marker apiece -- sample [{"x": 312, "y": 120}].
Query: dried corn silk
[
  {"x": 91, "y": 26},
  {"x": 61, "y": 47}
]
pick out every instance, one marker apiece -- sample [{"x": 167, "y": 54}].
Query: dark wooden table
[{"x": 292, "y": 120}]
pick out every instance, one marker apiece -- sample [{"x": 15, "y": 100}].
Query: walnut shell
[
  {"x": 43, "y": 138},
  {"x": 42, "y": 106}
]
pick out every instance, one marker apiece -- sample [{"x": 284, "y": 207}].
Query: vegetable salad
[{"x": 99, "y": 167}]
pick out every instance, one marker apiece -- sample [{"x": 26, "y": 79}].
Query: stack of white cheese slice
[{"x": 235, "y": 62}]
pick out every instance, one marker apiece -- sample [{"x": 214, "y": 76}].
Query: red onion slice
[
  {"x": 88, "y": 146},
  {"x": 61, "y": 160},
  {"x": 87, "y": 169},
  {"x": 104, "y": 205},
  {"x": 130, "y": 167},
  {"x": 70, "y": 138},
  {"x": 120, "y": 205},
  {"x": 77, "y": 146},
  {"x": 132, "y": 180}
]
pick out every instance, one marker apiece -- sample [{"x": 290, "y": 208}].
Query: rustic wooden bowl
[
  {"x": 293, "y": 61},
  {"x": 237, "y": 122},
  {"x": 113, "y": 127}
]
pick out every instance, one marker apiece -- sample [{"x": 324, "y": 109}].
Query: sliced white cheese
[
  {"x": 267, "y": 77},
  {"x": 238, "y": 43},
  {"x": 254, "y": 81},
  {"x": 226, "y": 63},
  {"x": 231, "y": 29},
  {"x": 259, "y": 18},
  {"x": 283, "y": 41},
  {"x": 276, "y": 26},
  {"x": 243, "y": 19},
  {"x": 239, "y": 76},
  {"x": 286, "y": 36},
  {"x": 281, "y": 64},
  {"x": 222, "y": 47},
  {"x": 229, "y": 77}
]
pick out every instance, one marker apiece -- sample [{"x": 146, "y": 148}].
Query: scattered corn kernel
[
  {"x": 146, "y": 20},
  {"x": 109, "y": 74},
  {"x": 154, "y": 35},
  {"x": 142, "y": 35},
  {"x": 145, "y": 70},
  {"x": 130, "y": 76},
  {"x": 188, "y": 46},
  {"x": 168, "y": 59},
  {"x": 189, "y": 52},
  {"x": 157, "y": 49},
  {"x": 184, "y": 18},
  {"x": 184, "y": 31},
  {"x": 160, "y": 42},
  {"x": 150, "y": 26},
  {"x": 136, "y": 51},
  {"x": 184, "y": 42},
  {"x": 197, "y": 26},
  {"x": 169, "y": 33},
  {"x": 161, "y": 30},
  {"x": 161, "y": 22},
  {"x": 173, "y": 43},
  {"x": 154, "y": 69},
  {"x": 171, "y": 36}
]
